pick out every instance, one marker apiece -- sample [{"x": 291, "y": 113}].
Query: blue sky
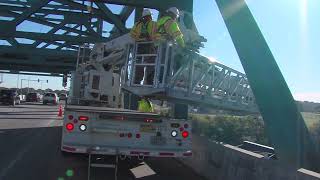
[{"x": 291, "y": 28}]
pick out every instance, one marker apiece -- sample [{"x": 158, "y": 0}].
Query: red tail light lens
[
  {"x": 83, "y": 118},
  {"x": 69, "y": 126},
  {"x": 185, "y": 134},
  {"x": 129, "y": 135}
]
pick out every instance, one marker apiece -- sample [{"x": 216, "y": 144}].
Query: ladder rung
[{"x": 103, "y": 165}]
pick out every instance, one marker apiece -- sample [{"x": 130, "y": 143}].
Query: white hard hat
[
  {"x": 174, "y": 10},
  {"x": 146, "y": 12}
]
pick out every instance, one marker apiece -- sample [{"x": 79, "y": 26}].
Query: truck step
[{"x": 103, "y": 161}]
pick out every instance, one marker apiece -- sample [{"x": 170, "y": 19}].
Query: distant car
[
  {"x": 50, "y": 98},
  {"x": 9, "y": 96},
  {"x": 62, "y": 96},
  {"x": 33, "y": 97}
]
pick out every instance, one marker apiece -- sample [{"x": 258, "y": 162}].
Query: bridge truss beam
[
  {"x": 38, "y": 28},
  {"x": 284, "y": 123}
]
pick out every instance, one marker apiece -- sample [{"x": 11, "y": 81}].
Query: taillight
[
  {"x": 148, "y": 120},
  {"x": 69, "y": 126},
  {"x": 83, "y": 118},
  {"x": 70, "y": 117},
  {"x": 185, "y": 134},
  {"x": 129, "y": 135},
  {"x": 83, "y": 127},
  {"x": 174, "y": 133}
]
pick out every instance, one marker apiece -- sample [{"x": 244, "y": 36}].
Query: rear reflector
[
  {"x": 129, "y": 135},
  {"x": 119, "y": 118},
  {"x": 69, "y": 126},
  {"x": 187, "y": 154},
  {"x": 138, "y": 136},
  {"x": 83, "y": 118},
  {"x": 166, "y": 154},
  {"x": 68, "y": 148},
  {"x": 139, "y": 153}
]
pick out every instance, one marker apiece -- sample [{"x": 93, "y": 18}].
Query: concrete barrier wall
[{"x": 225, "y": 162}]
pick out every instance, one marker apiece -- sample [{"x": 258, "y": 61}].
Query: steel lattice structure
[
  {"x": 60, "y": 27},
  {"x": 70, "y": 24}
]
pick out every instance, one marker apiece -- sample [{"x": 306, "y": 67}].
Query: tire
[{"x": 44, "y": 103}]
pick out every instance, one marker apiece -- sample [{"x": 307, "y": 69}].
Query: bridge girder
[{"x": 61, "y": 26}]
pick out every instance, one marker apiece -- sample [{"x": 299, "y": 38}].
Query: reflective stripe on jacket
[
  {"x": 168, "y": 28},
  {"x": 144, "y": 31}
]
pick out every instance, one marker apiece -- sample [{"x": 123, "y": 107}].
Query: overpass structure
[{"x": 60, "y": 26}]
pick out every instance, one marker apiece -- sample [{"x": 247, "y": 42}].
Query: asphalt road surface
[{"x": 30, "y": 150}]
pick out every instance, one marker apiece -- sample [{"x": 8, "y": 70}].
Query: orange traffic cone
[{"x": 60, "y": 111}]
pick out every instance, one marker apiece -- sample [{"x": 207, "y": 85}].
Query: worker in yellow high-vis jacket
[
  {"x": 168, "y": 27},
  {"x": 145, "y": 105},
  {"x": 145, "y": 29}
]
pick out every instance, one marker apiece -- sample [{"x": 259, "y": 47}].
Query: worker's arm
[
  {"x": 180, "y": 41},
  {"x": 175, "y": 32},
  {"x": 134, "y": 32}
]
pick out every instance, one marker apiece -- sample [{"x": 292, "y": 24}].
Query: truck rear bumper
[{"x": 124, "y": 151}]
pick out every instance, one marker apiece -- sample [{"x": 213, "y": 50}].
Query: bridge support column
[{"x": 284, "y": 123}]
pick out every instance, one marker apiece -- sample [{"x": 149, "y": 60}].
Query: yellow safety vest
[
  {"x": 144, "y": 31},
  {"x": 169, "y": 29},
  {"x": 145, "y": 106}
]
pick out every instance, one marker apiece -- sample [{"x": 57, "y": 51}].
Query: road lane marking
[{"x": 4, "y": 171}]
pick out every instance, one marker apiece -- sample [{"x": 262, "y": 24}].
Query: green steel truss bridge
[
  {"x": 60, "y": 26},
  {"x": 63, "y": 25}
]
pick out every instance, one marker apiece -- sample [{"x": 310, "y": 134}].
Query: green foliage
[
  {"x": 230, "y": 129},
  {"x": 311, "y": 118}
]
